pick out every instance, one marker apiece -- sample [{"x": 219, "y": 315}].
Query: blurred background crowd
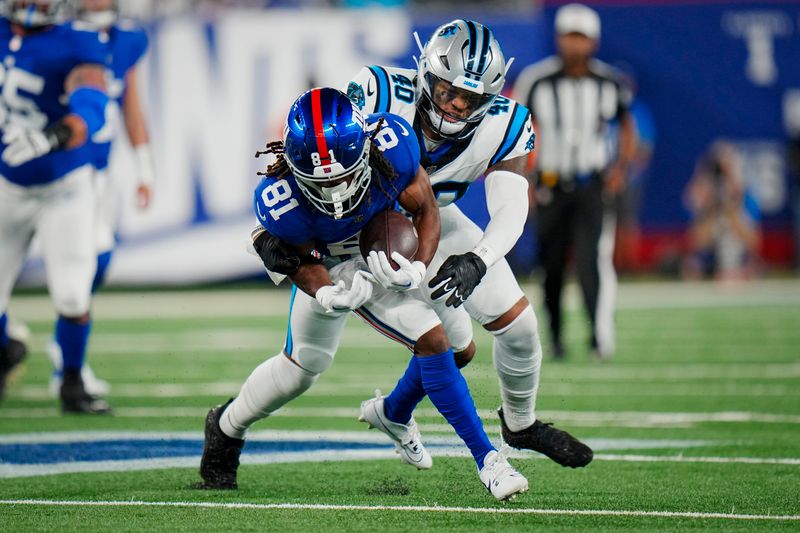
[{"x": 713, "y": 189}]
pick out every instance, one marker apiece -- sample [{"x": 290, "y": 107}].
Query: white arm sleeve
[{"x": 507, "y": 200}]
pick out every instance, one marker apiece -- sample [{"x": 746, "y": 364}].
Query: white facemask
[
  {"x": 100, "y": 20},
  {"x": 335, "y": 195}
]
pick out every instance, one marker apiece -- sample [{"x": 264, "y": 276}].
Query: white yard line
[
  {"x": 8, "y": 471},
  {"x": 406, "y": 508},
  {"x": 627, "y": 458},
  {"x": 577, "y": 418},
  {"x": 222, "y": 388},
  {"x": 451, "y": 441}
]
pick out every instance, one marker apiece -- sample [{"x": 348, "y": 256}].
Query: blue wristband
[{"x": 89, "y": 103}]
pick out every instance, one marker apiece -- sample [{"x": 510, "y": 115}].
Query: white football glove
[
  {"x": 408, "y": 277},
  {"x": 23, "y": 145},
  {"x": 339, "y": 299}
]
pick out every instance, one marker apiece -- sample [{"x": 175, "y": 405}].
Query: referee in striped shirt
[{"x": 574, "y": 100}]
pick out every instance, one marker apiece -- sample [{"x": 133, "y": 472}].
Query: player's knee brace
[
  {"x": 518, "y": 348},
  {"x": 272, "y": 384},
  {"x": 517, "y": 354},
  {"x": 314, "y": 359}
]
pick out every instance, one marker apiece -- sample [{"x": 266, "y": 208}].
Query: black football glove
[
  {"x": 277, "y": 256},
  {"x": 459, "y": 275}
]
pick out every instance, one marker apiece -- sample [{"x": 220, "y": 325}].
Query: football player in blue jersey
[
  {"x": 466, "y": 130},
  {"x": 126, "y": 45},
  {"x": 335, "y": 170},
  {"x": 53, "y": 100}
]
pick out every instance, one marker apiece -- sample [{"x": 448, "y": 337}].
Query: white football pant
[
  {"x": 61, "y": 214},
  {"x": 106, "y": 205}
]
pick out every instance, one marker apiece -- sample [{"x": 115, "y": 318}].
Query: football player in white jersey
[{"x": 468, "y": 130}]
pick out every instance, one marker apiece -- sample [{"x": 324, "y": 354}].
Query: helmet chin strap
[{"x": 334, "y": 194}]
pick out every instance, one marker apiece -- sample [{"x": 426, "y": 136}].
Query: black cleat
[
  {"x": 556, "y": 444},
  {"x": 220, "y": 454},
  {"x": 11, "y": 355},
  {"x": 75, "y": 399}
]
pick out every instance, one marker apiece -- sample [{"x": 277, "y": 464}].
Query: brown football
[{"x": 389, "y": 231}]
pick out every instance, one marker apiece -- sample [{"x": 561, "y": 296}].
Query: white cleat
[
  {"x": 500, "y": 478},
  {"x": 91, "y": 383},
  {"x": 407, "y": 440}
]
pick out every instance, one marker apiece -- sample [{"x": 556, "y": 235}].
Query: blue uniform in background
[
  {"x": 285, "y": 213},
  {"x": 34, "y": 69},
  {"x": 125, "y": 46},
  {"x": 51, "y": 196}
]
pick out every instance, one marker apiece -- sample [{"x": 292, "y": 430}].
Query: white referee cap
[{"x": 578, "y": 18}]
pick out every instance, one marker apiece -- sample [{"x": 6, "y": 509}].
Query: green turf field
[{"x": 695, "y": 423}]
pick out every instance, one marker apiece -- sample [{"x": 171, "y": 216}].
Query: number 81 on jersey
[{"x": 272, "y": 195}]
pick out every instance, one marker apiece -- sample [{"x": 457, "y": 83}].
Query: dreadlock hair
[
  {"x": 385, "y": 173},
  {"x": 279, "y": 168}
]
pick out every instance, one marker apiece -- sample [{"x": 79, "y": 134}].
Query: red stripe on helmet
[{"x": 319, "y": 131}]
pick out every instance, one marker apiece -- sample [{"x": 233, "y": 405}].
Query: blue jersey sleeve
[
  {"x": 399, "y": 146},
  {"x": 86, "y": 47},
  {"x": 139, "y": 45},
  {"x": 280, "y": 212},
  {"x": 130, "y": 46}
]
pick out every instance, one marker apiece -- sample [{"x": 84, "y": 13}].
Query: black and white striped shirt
[{"x": 572, "y": 115}]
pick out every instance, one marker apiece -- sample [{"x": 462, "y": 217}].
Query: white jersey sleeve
[
  {"x": 377, "y": 89},
  {"x": 519, "y": 137},
  {"x": 361, "y": 91}
]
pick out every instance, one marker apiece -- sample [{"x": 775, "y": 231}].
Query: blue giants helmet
[
  {"x": 326, "y": 146},
  {"x": 33, "y": 13}
]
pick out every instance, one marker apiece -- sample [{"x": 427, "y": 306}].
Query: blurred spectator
[
  {"x": 576, "y": 173},
  {"x": 724, "y": 237}
]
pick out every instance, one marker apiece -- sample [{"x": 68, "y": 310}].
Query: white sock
[
  {"x": 517, "y": 354},
  {"x": 273, "y": 384}
]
